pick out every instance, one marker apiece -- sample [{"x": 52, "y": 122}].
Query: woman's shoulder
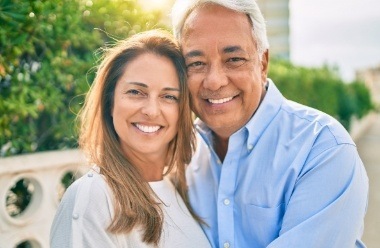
[
  {"x": 88, "y": 192},
  {"x": 89, "y": 183},
  {"x": 84, "y": 214}
]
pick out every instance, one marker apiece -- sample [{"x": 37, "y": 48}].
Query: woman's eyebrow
[
  {"x": 146, "y": 86},
  {"x": 171, "y": 89},
  {"x": 138, "y": 84}
]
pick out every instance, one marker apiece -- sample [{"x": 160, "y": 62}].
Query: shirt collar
[
  {"x": 267, "y": 110},
  {"x": 204, "y": 131}
]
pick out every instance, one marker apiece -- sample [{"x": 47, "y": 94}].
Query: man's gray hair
[{"x": 182, "y": 8}]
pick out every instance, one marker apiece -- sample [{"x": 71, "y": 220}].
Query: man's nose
[{"x": 215, "y": 78}]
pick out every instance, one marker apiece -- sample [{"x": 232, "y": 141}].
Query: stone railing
[{"x": 41, "y": 176}]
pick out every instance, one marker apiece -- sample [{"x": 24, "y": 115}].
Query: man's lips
[{"x": 219, "y": 101}]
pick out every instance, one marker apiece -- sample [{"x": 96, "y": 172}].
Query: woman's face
[{"x": 146, "y": 108}]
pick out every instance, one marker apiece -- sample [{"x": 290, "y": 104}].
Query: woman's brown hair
[{"x": 135, "y": 203}]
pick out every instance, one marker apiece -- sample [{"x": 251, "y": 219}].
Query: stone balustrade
[{"x": 41, "y": 176}]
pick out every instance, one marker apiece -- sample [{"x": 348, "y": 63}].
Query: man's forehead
[
  {"x": 210, "y": 17},
  {"x": 201, "y": 40},
  {"x": 229, "y": 49}
]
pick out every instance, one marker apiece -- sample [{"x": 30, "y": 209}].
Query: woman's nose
[{"x": 151, "y": 108}]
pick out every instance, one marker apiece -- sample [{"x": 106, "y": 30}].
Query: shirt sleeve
[
  {"x": 83, "y": 216},
  {"x": 328, "y": 203}
]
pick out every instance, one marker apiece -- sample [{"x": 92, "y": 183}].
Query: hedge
[{"x": 47, "y": 62}]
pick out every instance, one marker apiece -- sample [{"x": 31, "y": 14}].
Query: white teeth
[
  {"x": 148, "y": 129},
  {"x": 219, "y": 101}
]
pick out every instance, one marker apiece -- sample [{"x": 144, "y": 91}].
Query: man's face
[{"x": 225, "y": 75}]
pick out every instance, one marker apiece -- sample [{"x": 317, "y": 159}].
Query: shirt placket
[{"x": 226, "y": 191}]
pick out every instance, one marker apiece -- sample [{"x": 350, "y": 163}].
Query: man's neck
[{"x": 220, "y": 146}]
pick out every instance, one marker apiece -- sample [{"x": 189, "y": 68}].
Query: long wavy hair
[{"x": 135, "y": 202}]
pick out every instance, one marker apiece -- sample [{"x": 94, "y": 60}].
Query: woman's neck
[{"x": 151, "y": 168}]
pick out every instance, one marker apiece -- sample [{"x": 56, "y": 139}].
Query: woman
[{"x": 136, "y": 128}]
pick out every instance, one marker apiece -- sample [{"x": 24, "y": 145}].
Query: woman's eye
[
  {"x": 132, "y": 92},
  {"x": 171, "y": 98}
]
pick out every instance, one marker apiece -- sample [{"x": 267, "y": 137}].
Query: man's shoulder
[{"x": 318, "y": 122}]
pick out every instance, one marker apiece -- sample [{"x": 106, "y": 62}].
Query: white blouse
[{"x": 86, "y": 210}]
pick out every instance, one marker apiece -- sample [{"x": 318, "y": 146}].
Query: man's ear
[{"x": 264, "y": 65}]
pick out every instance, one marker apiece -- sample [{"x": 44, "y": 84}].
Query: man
[{"x": 267, "y": 172}]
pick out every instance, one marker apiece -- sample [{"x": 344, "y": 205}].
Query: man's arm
[{"x": 328, "y": 204}]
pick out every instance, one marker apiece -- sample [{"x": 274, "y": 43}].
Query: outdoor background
[{"x": 49, "y": 51}]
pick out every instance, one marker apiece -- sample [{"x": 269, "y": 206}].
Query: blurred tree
[
  {"x": 46, "y": 53},
  {"x": 323, "y": 89}
]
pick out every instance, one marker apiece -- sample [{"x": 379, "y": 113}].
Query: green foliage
[
  {"x": 46, "y": 51},
  {"x": 46, "y": 60},
  {"x": 19, "y": 197},
  {"x": 322, "y": 89}
]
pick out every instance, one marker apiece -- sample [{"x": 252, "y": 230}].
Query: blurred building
[
  {"x": 371, "y": 77},
  {"x": 276, "y": 13}
]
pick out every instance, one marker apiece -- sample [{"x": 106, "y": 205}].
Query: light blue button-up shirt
[{"x": 292, "y": 178}]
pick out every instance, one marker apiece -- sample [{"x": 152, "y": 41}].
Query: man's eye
[
  {"x": 235, "y": 59},
  {"x": 195, "y": 64},
  {"x": 235, "y": 62},
  {"x": 196, "y": 67}
]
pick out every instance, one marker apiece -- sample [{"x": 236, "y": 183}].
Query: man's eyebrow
[
  {"x": 228, "y": 49},
  {"x": 231, "y": 49},
  {"x": 194, "y": 53}
]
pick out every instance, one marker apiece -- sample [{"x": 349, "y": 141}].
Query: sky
[
  {"x": 342, "y": 33},
  {"x": 345, "y": 33}
]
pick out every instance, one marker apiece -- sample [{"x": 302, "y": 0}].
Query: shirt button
[
  {"x": 218, "y": 162},
  {"x": 226, "y": 202},
  {"x": 75, "y": 216},
  {"x": 89, "y": 174},
  {"x": 226, "y": 245},
  {"x": 250, "y": 147}
]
